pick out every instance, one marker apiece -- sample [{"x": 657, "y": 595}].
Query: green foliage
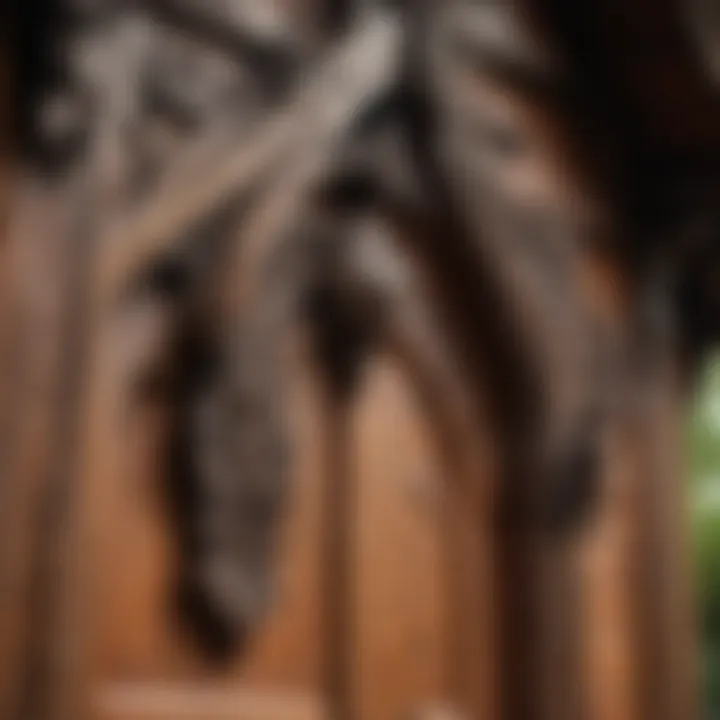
[{"x": 704, "y": 457}]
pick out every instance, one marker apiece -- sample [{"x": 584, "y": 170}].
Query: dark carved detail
[{"x": 437, "y": 151}]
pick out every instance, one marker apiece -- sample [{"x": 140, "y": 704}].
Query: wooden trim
[
  {"x": 664, "y": 636},
  {"x": 340, "y": 562},
  {"x": 174, "y": 701}
]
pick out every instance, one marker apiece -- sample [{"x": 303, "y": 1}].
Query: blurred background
[{"x": 704, "y": 456}]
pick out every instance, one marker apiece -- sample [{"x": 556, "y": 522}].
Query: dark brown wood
[
  {"x": 470, "y": 606},
  {"x": 340, "y": 563},
  {"x": 667, "y": 664}
]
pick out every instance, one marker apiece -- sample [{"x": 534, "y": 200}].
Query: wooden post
[
  {"x": 663, "y": 627},
  {"x": 340, "y": 561}
]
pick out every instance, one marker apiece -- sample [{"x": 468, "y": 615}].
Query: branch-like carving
[{"x": 363, "y": 68}]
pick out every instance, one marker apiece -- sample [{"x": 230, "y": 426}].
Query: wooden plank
[
  {"x": 168, "y": 701},
  {"x": 401, "y": 595},
  {"x": 609, "y": 655},
  {"x": 44, "y": 246},
  {"x": 663, "y": 620}
]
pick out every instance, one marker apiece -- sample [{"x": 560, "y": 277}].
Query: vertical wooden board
[
  {"x": 605, "y": 569},
  {"x": 38, "y": 251},
  {"x": 663, "y": 631},
  {"x": 399, "y": 605}
]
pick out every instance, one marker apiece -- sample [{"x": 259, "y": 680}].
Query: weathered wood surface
[{"x": 441, "y": 600}]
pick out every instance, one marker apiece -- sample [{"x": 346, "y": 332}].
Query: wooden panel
[
  {"x": 663, "y": 628},
  {"x": 400, "y": 592},
  {"x": 136, "y": 643},
  {"x": 42, "y": 256},
  {"x": 606, "y": 568}
]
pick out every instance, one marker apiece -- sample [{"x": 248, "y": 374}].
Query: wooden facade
[
  {"x": 87, "y": 618},
  {"x": 402, "y": 595}
]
